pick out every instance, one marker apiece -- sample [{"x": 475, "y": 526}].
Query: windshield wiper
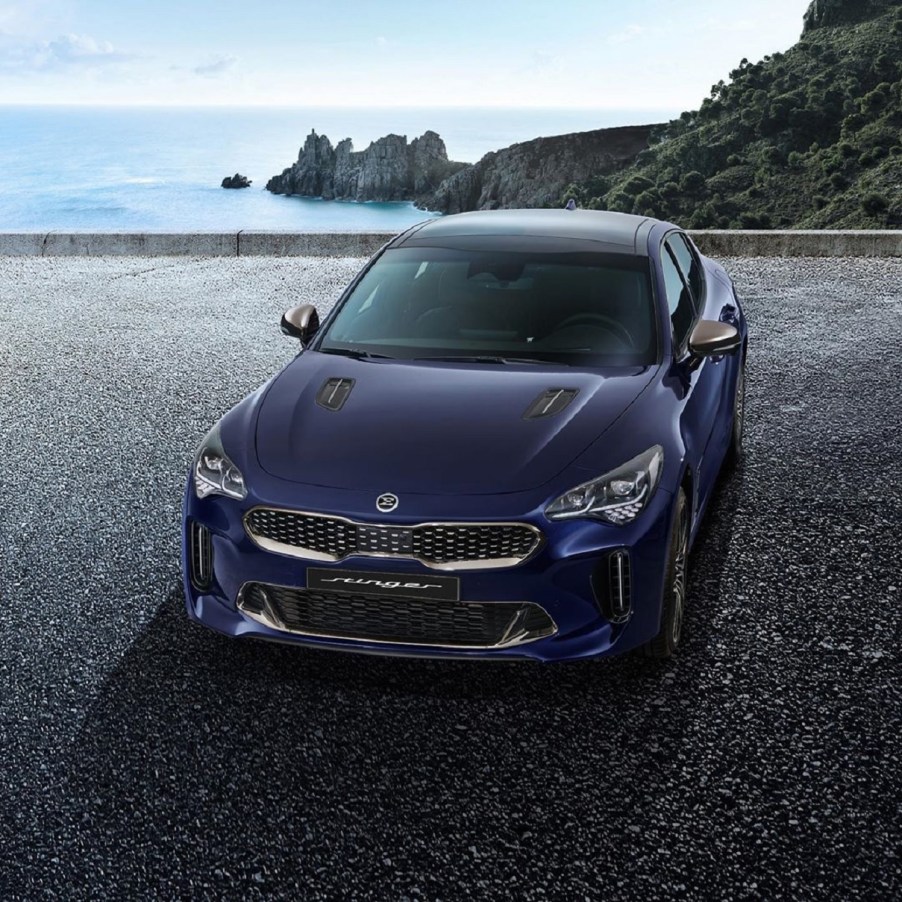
[
  {"x": 354, "y": 354},
  {"x": 481, "y": 358}
]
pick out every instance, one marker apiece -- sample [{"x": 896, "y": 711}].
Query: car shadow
[{"x": 200, "y": 749}]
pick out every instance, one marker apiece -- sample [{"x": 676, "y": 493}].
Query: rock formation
[
  {"x": 236, "y": 181},
  {"x": 389, "y": 169},
  {"x": 536, "y": 173},
  {"x": 824, "y": 13}
]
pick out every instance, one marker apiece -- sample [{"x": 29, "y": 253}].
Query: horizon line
[{"x": 323, "y": 106}]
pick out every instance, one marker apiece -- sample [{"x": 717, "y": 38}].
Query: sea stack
[{"x": 390, "y": 169}]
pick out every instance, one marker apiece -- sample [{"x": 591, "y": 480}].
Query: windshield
[{"x": 577, "y": 309}]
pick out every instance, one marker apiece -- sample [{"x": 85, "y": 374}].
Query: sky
[{"x": 647, "y": 54}]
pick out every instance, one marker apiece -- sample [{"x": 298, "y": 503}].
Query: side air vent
[
  {"x": 550, "y": 402},
  {"x": 611, "y": 583},
  {"x": 334, "y": 393},
  {"x": 200, "y": 549}
]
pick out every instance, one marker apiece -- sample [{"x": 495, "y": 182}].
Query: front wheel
[
  {"x": 734, "y": 451},
  {"x": 673, "y": 603}
]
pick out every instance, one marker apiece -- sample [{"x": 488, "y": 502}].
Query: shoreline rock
[
  {"x": 389, "y": 169},
  {"x": 236, "y": 181}
]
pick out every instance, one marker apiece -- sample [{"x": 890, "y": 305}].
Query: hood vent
[
  {"x": 334, "y": 393},
  {"x": 550, "y": 402}
]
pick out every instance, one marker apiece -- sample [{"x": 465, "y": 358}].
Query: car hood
[{"x": 436, "y": 428}]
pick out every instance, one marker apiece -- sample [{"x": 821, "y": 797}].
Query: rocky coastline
[
  {"x": 536, "y": 173},
  {"x": 529, "y": 174}
]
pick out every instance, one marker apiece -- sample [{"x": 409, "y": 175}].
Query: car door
[{"x": 703, "y": 380}]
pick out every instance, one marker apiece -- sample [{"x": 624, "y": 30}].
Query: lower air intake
[{"x": 403, "y": 621}]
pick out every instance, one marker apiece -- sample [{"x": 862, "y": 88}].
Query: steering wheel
[{"x": 606, "y": 322}]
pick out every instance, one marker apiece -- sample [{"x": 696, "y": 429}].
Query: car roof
[{"x": 596, "y": 231}]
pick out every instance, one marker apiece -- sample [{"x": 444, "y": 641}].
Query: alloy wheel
[
  {"x": 680, "y": 575},
  {"x": 739, "y": 409}
]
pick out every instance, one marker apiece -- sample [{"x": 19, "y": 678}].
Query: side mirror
[
  {"x": 711, "y": 337},
  {"x": 301, "y": 323}
]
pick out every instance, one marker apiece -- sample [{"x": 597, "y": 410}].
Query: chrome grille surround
[
  {"x": 459, "y": 625},
  {"x": 439, "y": 546}
]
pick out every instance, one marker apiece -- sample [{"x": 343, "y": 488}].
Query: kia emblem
[{"x": 387, "y": 502}]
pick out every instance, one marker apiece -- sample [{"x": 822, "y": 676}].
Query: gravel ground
[{"x": 141, "y": 756}]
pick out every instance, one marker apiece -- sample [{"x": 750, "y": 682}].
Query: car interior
[{"x": 502, "y": 305}]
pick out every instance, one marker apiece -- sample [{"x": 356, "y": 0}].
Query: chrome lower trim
[
  {"x": 309, "y": 554},
  {"x": 514, "y": 635},
  {"x": 620, "y": 586}
]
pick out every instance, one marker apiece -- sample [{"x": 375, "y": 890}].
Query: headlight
[
  {"x": 617, "y": 497},
  {"x": 214, "y": 473}
]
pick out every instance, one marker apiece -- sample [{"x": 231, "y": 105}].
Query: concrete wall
[{"x": 362, "y": 244}]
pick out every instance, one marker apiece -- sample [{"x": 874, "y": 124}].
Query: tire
[
  {"x": 673, "y": 602},
  {"x": 734, "y": 451}
]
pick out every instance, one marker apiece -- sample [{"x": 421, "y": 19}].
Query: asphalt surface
[{"x": 142, "y": 756}]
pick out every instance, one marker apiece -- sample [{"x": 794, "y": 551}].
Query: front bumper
[{"x": 562, "y": 577}]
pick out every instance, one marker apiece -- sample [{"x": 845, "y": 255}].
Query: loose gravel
[{"x": 142, "y": 756}]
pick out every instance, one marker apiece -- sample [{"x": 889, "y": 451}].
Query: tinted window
[
  {"x": 689, "y": 266},
  {"x": 591, "y": 309},
  {"x": 678, "y": 300}
]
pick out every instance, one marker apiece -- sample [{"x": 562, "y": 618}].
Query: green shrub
[
  {"x": 874, "y": 204},
  {"x": 754, "y": 221},
  {"x": 636, "y": 185},
  {"x": 692, "y": 182}
]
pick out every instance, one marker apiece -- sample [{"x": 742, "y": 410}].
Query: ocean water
[{"x": 161, "y": 168}]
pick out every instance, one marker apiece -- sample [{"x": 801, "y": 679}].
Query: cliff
[
  {"x": 536, "y": 173},
  {"x": 389, "y": 169},
  {"x": 826, "y": 13},
  {"x": 809, "y": 138}
]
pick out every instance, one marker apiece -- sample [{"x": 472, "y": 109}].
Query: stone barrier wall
[{"x": 361, "y": 244}]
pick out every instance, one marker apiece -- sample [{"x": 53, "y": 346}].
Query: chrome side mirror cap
[
  {"x": 301, "y": 323},
  {"x": 710, "y": 337}
]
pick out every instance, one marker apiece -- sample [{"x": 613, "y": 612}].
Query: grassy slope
[{"x": 806, "y": 139}]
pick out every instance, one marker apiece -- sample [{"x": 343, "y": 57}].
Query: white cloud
[
  {"x": 630, "y": 33},
  {"x": 544, "y": 61},
  {"x": 78, "y": 50},
  {"x": 65, "y": 53},
  {"x": 730, "y": 25},
  {"x": 216, "y": 66}
]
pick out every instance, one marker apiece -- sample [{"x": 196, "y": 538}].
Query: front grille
[
  {"x": 439, "y": 545},
  {"x": 406, "y": 621},
  {"x": 200, "y": 555}
]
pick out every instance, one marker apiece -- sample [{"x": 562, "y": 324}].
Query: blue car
[{"x": 500, "y": 443}]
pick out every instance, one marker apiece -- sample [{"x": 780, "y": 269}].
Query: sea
[{"x": 153, "y": 168}]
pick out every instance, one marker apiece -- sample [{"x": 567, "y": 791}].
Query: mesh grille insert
[
  {"x": 437, "y": 545},
  {"x": 396, "y": 620}
]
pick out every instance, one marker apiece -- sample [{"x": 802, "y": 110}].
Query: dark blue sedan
[{"x": 500, "y": 443}]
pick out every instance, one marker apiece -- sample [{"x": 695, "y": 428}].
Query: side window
[
  {"x": 689, "y": 266},
  {"x": 679, "y": 301}
]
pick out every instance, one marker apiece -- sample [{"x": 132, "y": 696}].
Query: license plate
[{"x": 394, "y": 585}]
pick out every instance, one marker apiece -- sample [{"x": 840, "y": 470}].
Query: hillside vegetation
[{"x": 809, "y": 138}]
